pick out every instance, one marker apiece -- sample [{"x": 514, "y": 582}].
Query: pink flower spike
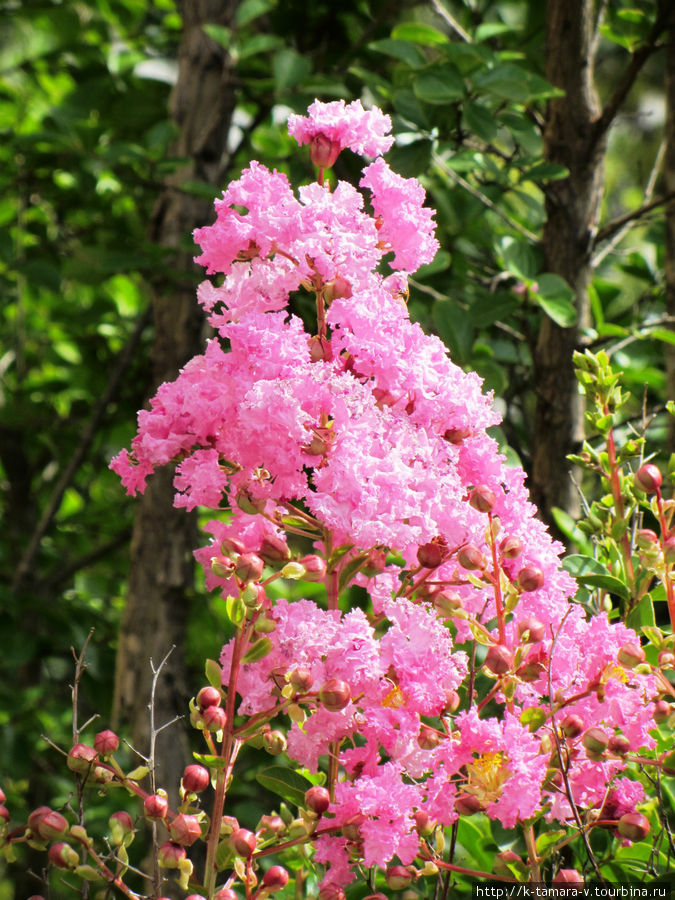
[{"x": 332, "y": 127}]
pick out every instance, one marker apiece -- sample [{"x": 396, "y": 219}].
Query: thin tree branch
[
  {"x": 611, "y": 228},
  {"x": 122, "y": 363},
  {"x": 82, "y": 562},
  {"x": 450, "y": 20},
  {"x": 625, "y": 83}
]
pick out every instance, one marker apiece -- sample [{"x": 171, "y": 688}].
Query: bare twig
[
  {"x": 450, "y": 20},
  {"x": 151, "y": 763}
]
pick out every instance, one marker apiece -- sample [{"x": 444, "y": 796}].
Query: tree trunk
[
  {"x": 572, "y": 209},
  {"x": 669, "y": 166},
  {"x": 161, "y": 576}
]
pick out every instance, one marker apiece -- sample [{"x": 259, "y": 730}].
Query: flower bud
[
  {"x": 447, "y": 602},
  {"x": 121, "y": 826},
  {"x": 499, "y": 659},
  {"x": 225, "y": 894},
  {"x": 214, "y": 718},
  {"x": 196, "y": 779},
  {"x": 274, "y": 742},
  {"x": 185, "y": 829},
  {"x": 568, "y": 876},
  {"x": 648, "y": 478},
  {"x": 47, "y": 824},
  {"x": 317, "y": 799},
  {"x": 482, "y": 498},
  {"x": 248, "y": 567},
  {"x": 2, "y": 796},
  {"x": 452, "y": 701},
  {"x": 646, "y": 539},
  {"x": 315, "y": 567},
  {"x": 376, "y": 562},
  {"x": 301, "y": 679},
  {"x": 171, "y": 855},
  {"x": 572, "y": 725},
  {"x": 323, "y": 151},
  {"x": 4, "y": 814},
  {"x": 530, "y": 578},
  {"x": 398, "y": 878},
  {"x": 249, "y": 504},
  {"x": 661, "y": 711},
  {"x": 320, "y": 349},
  {"x": 618, "y": 744},
  {"x": 81, "y": 758},
  {"x": 208, "y": 696},
  {"x": 63, "y": 856},
  {"x": 502, "y": 860},
  {"x": 335, "y": 694},
  {"x": 195, "y": 897},
  {"x": 336, "y": 289},
  {"x": 431, "y": 555},
  {"x": 232, "y": 546},
  {"x": 428, "y": 738},
  {"x": 633, "y": 826},
  {"x": 669, "y": 550},
  {"x": 106, "y": 743},
  {"x": 222, "y": 566},
  {"x": 510, "y": 547},
  {"x": 534, "y": 665},
  {"x": 274, "y": 549},
  {"x": 272, "y": 825},
  {"x": 470, "y": 557},
  {"x": 228, "y": 825},
  {"x": 468, "y": 804},
  {"x": 531, "y": 630},
  {"x": 244, "y": 842},
  {"x": 631, "y": 655},
  {"x": 424, "y": 825},
  {"x": 331, "y": 891},
  {"x": 595, "y": 740},
  {"x": 155, "y": 806},
  {"x": 293, "y": 571},
  {"x": 666, "y": 660},
  {"x": 275, "y": 878}
]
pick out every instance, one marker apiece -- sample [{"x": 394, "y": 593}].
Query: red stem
[{"x": 618, "y": 500}]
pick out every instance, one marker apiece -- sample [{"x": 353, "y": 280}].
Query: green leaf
[
  {"x": 209, "y": 760},
  {"x": 287, "y": 783},
  {"x": 220, "y": 34},
  {"x": 236, "y": 611},
  {"x": 479, "y": 120},
  {"x": 440, "y": 85},
  {"x": 643, "y": 615},
  {"x": 556, "y": 298},
  {"x": 138, "y": 773},
  {"x": 257, "y": 43},
  {"x": 546, "y": 841},
  {"x": 289, "y": 68},
  {"x": 402, "y": 50},
  {"x": 224, "y": 855},
  {"x": 214, "y": 674},
  {"x": 578, "y": 564},
  {"x": 419, "y": 33},
  {"x": 409, "y": 159},
  {"x": 248, "y": 10},
  {"x": 545, "y": 171},
  {"x": 487, "y": 30},
  {"x": 257, "y": 651},
  {"x": 533, "y": 718},
  {"x": 606, "y": 583},
  {"x": 664, "y": 334},
  {"x": 454, "y": 328},
  {"x": 519, "y": 258}
]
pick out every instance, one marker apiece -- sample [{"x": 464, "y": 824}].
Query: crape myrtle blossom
[{"x": 361, "y": 427}]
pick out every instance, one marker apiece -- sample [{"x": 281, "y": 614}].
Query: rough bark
[
  {"x": 161, "y": 575},
  {"x": 572, "y": 209},
  {"x": 669, "y": 173}
]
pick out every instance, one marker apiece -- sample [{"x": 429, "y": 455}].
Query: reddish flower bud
[
  {"x": 633, "y": 826},
  {"x": 568, "y": 876},
  {"x": 4, "y": 814},
  {"x": 631, "y": 655},
  {"x": 648, "y": 478},
  {"x": 2, "y": 796},
  {"x": 470, "y": 557},
  {"x": 208, "y": 696},
  {"x": 244, "y": 842},
  {"x": 452, "y": 701},
  {"x": 106, "y": 742},
  {"x": 423, "y": 823},
  {"x": 171, "y": 855},
  {"x": 376, "y": 562},
  {"x": 274, "y": 742},
  {"x": 331, "y": 891},
  {"x": 317, "y": 799},
  {"x": 185, "y": 829},
  {"x": 339, "y": 287},
  {"x": 315, "y": 567},
  {"x": 646, "y": 539},
  {"x": 335, "y": 694},
  {"x": 510, "y": 547},
  {"x": 81, "y": 758},
  {"x": 499, "y": 659},
  {"x": 669, "y": 550},
  {"x": 275, "y": 878},
  {"x": 428, "y": 738},
  {"x": 195, "y": 897},
  {"x": 662, "y": 711},
  {"x": 47, "y": 824},
  {"x": 63, "y": 856},
  {"x": 272, "y": 824},
  {"x": 456, "y": 435},
  {"x": 619, "y": 744},
  {"x": 531, "y": 630},
  {"x": 232, "y": 546},
  {"x": 530, "y": 578},
  {"x": 320, "y": 349},
  {"x": 155, "y": 806},
  {"x": 482, "y": 498},
  {"x": 595, "y": 740},
  {"x": 249, "y": 567},
  {"x": 301, "y": 679},
  {"x": 447, "y": 602},
  {"x": 222, "y": 566},
  {"x": 431, "y": 555},
  {"x": 572, "y": 725},
  {"x": 667, "y": 660},
  {"x": 468, "y": 804},
  {"x": 248, "y": 503},
  {"x": 121, "y": 825},
  {"x": 214, "y": 718},
  {"x": 274, "y": 549},
  {"x": 323, "y": 151},
  {"x": 398, "y": 878},
  {"x": 534, "y": 665},
  {"x": 196, "y": 779},
  {"x": 225, "y": 894}
]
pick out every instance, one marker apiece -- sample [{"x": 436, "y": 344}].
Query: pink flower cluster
[{"x": 366, "y": 429}]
